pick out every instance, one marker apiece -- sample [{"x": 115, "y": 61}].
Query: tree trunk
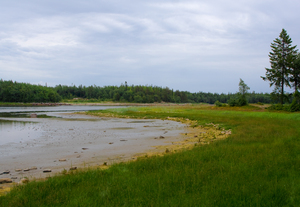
[{"x": 283, "y": 73}]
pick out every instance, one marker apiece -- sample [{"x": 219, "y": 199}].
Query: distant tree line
[
  {"x": 23, "y": 92},
  {"x": 123, "y": 93},
  {"x": 151, "y": 94}
]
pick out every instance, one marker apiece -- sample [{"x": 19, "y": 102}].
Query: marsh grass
[
  {"x": 257, "y": 166},
  {"x": 14, "y": 104}
]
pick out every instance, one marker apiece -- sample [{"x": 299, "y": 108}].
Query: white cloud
[
  {"x": 199, "y": 7},
  {"x": 44, "y": 40},
  {"x": 128, "y": 60},
  {"x": 104, "y": 22}
]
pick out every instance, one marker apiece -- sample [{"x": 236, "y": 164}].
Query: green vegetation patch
[
  {"x": 23, "y": 92},
  {"x": 258, "y": 165}
]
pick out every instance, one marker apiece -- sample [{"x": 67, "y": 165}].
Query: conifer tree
[
  {"x": 295, "y": 73},
  {"x": 281, "y": 57}
]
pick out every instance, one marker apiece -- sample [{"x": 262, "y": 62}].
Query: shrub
[
  {"x": 232, "y": 102},
  {"x": 242, "y": 101},
  {"x": 276, "y": 107},
  {"x": 218, "y": 104},
  {"x": 294, "y": 106},
  {"x": 283, "y": 107}
]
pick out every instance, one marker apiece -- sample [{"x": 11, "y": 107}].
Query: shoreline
[
  {"x": 81, "y": 141},
  {"x": 187, "y": 138},
  {"x": 8, "y": 104}
]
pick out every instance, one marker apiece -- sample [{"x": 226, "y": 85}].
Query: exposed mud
[
  {"x": 35, "y": 145},
  {"x": 31, "y": 145}
]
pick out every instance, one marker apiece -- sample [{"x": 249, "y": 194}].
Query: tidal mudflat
[{"x": 28, "y": 146}]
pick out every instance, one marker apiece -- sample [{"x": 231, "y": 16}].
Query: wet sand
[{"x": 81, "y": 141}]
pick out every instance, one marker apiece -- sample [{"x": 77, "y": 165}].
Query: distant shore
[
  {"x": 31, "y": 104},
  {"x": 88, "y": 104}
]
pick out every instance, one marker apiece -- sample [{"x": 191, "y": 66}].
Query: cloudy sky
[{"x": 184, "y": 45}]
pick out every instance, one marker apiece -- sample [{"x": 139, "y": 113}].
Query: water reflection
[
  {"x": 19, "y": 115},
  {"x": 54, "y": 108},
  {"x": 22, "y": 115},
  {"x": 18, "y": 131},
  {"x": 16, "y": 125}
]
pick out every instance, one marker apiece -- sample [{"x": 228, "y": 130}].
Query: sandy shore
[{"x": 81, "y": 141}]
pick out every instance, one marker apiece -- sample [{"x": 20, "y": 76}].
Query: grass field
[{"x": 258, "y": 165}]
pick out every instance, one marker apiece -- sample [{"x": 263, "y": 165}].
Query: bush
[
  {"x": 232, "y": 102},
  {"x": 286, "y": 107},
  {"x": 276, "y": 107},
  {"x": 294, "y": 106},
  {"x": 218, "y": 104},
  {"x": 242, "y": 101}
]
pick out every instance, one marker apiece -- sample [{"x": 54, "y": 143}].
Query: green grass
[
  {"x": 14, "y": 104},
  {"x": 258, "y": 165}
]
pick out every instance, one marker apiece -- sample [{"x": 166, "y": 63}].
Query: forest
[
  {"x": 24, "y": 92},
  {"x": 151, "y": 94},
  {"x": 12, "y": 91}
]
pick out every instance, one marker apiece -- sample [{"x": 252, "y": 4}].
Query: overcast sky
[{"x": 184, "y": 45}]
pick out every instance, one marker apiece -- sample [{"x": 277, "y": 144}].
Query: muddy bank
[{"x": 79, "y": 140}]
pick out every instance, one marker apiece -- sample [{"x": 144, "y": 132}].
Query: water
[
  {"x": 59, "y": 133},
  {"x": 16, "y": 126},
  {"x": 35, "y": 109},
  {"x": 17, "y": 132}
]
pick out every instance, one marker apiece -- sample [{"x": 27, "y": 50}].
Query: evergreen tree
[
  {"x": 281, "y": 59},
  {"x": 295, "y": 73}
]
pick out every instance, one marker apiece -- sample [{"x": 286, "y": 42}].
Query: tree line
[
  {"x": 27, "y": 93},
  {"x": 150, "y": 94},
  {"x": 23, "y": 92}
]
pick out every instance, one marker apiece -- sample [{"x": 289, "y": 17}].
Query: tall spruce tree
[
  {"x": 281, "y": 57},
  {"x": 295, "y": 73}
]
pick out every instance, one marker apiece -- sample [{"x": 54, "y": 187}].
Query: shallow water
[
  {"x": 26, "y": 142},
  {"x": 10, "y": 109},
  {"x": 18, "y": 131}
]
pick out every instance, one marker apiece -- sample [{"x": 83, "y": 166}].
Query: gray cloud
[{"x": 186, "y": 45}]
